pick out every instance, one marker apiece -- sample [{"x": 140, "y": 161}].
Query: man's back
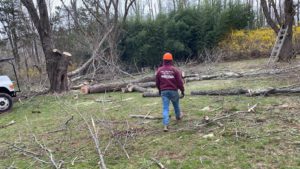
[{"x": 168, "y": 77}]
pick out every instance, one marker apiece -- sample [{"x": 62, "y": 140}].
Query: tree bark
[
  {"x": 134, "y": 88},
  {"x": 151, "y": 94},
  {"x": 287, "y": 53},
  {"x": 277, "y": 16},
  {"x": 268, "y": 17},
  {"x": 139, "y": 85},
  {"x": 249, "y": 92},
  {"x": 56, "y": 63},
  {"x": 149, "y": 81}
]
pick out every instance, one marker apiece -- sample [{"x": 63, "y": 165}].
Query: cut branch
[
  {"x": 215, "y": 120},
  {"x": 94, "y": 55},
  {"x": 145, "y": 117},
  {"x": 159, "y": 164},
  {"x": 8, "y": 124}
]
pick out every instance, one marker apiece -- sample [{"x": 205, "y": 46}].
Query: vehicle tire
[{"x": 5, "y": 102}]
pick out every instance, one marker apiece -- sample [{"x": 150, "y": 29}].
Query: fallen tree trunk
[
  {"x": 147, "y": 84},
  {"x": 138, "y": 85},
  {"x": 112, "y": 87},
  {"x": 249, "y": 92},
  {"x": 134, "y": 88},
  {"x": 102, "y": 88},
  {"x": 227, "y": 75},
  {"x": 149, "y": 81},
  {"x": 151, "y": 94},
  {"x": 220, "y": 92}
]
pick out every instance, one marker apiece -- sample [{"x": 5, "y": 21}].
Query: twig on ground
[
  {"x": 145, "y": 117},
  {"x": 8, "y": 124},
  {"x": 64, "y": 127},
  {"x": 94, "y": 133},
  {"x": 119, "y": 142},
  {"x": 159, "y": 164},
  {"x": 27, "y": 153},
  {"x": 49, "y": 154},
  {"x": 250, "y": 110},
  {"x": 73, "y": 161},
  {"x": 12, "y": 166}
]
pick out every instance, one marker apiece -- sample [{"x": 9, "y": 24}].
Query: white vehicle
[{"x": 7, "y": 90}]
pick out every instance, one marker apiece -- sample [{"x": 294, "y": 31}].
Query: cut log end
[
  {"x": 85, "y": 89},
  {"x": 67, "y": 54}
]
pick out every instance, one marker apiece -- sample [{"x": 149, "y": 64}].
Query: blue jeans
[{"x": 167, "y": 96}]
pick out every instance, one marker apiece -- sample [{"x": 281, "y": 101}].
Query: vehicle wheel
[{"x": 5, "y": 102}]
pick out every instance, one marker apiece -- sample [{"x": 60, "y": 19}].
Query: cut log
[
  {"x": 147, "y": 84},
  {"x": 226, "y": 75},
  {"x": 145, "y": 79},
  {"x": 220, "y": 92},
  {"x": 202, "y": 77},
  {"x": 140, "y": 87},
  {"x": 102, "y": 88},
  {"x": 149, "y": 81},
  {"x": 136, "y": 88},
  {"x": 151, "y": 94},
  {"x": 249, "y": 92},
  {"x": 77, "y": 87},
  {"x": 112, "y": 87}
]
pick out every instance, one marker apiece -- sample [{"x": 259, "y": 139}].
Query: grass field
[{"x": 268, "y": 138}]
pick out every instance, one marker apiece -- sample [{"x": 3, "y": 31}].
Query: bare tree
[
  {"x": 56, "y": 64},
  {"x": 9, "y": 20},
  {"x": 107, "y": 17},
  {"x": 286, "y": 53}
]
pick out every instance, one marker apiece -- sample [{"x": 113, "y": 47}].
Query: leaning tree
[
  {"x": 286, "y": 53},
  {"x": 56, "y": 62}
]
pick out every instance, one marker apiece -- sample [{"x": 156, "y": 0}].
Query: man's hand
[{"x": 182, "y": 95}]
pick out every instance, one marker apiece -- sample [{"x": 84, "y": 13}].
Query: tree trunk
[
  {"x": 57, "y": 69},
  {"x": 268, "y": 17},
  {"x": 151, "y": 94},
  {"x": 248, "y": 92},
  {"x": 117, "y": 86},
  {"x": 298, "y": 12},
  {"x": 287, "y": 52},
  {"x": 56, "y": 63}
]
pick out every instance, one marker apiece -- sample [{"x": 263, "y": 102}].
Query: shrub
[
  {"x": 245, "y": 44},
  {"x": 185, "y": 33}
]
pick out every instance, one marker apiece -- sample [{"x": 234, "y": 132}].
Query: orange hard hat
[{"x": 167, "y": 56}]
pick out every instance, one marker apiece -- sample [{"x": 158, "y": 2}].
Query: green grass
[{"x": 268, "y": 138}]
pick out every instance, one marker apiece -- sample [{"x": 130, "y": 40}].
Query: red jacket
[{"x": 169, "y": 77}]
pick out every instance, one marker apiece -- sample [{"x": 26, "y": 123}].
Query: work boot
[
  {"x": 166, "y": 128},
  {"x": 180, "y": 117}
]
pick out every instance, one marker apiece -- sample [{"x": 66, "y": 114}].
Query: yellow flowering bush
[{"x": 252, "y": 43}]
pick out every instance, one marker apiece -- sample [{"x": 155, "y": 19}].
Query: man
[{"x": 168, "y": 81}]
